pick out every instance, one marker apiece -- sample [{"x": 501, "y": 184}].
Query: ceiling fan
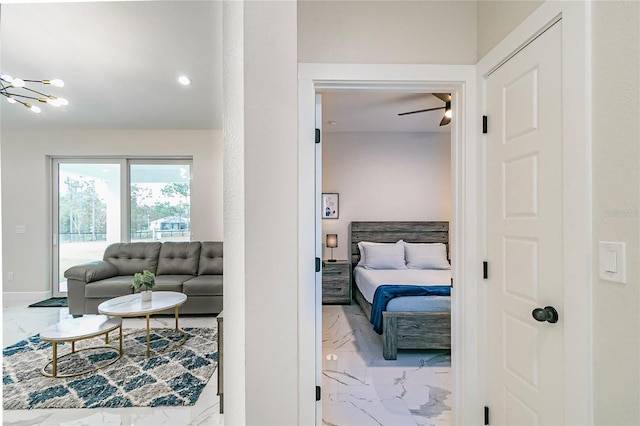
[{"x": 446, "y": 98}]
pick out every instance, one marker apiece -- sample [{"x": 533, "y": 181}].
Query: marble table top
[
  {"x": 80, "y": 328},
  {"x": 131, "y": 305}
]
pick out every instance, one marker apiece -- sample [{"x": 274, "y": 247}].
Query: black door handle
[{"x": 548, "y": 314}]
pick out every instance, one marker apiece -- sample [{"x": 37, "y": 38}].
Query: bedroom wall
[
  {"x": 385, "y": 176},
  {"x": 25, "y": 172},
  {"x": 496, "y": 19},
  {"x": 387, "y": 32},
  {"x": 616, "y": 208}
]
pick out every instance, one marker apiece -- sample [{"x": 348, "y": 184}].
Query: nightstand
[{"x": 336, "y": 282}]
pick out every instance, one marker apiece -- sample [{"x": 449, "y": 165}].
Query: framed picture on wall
[{"x": 330, "y": 205}]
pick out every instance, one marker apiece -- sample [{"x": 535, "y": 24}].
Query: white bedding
[{"x": 368, "y": 280}]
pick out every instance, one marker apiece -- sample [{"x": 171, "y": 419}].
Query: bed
[{"x": 414, "y": 322}]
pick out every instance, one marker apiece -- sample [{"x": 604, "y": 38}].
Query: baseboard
[{"x": 27, "y": 297}]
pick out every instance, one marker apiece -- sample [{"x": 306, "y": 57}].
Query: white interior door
[{"x": 525, "y": 235}]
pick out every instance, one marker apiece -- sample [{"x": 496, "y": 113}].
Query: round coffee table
[
  {"x": 132, "y": 306},
  {"x": 75, "y": 329}
]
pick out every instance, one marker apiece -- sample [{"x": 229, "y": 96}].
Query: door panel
[
  {"x": 524, "y": 228},
  {"x": 87, "y": 214}
]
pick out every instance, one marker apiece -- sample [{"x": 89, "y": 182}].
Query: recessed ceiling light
[{"x": 184, "y": 80}]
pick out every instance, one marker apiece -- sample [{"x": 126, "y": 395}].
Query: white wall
[
  {"x": 616, "y": 208},
  {"x": 496, "y": 19},
  {"x": 387, "y": 32},
  {"x": 27, "y": 186},
  {"x": 385, "y": 176},
  {"x": 260, "y": 216}
]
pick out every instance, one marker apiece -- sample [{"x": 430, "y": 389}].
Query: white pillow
[
  {"x": 361, "y": 245},
  {"x": 384, "y": 256},
  {"x": 426, "y": 256}
]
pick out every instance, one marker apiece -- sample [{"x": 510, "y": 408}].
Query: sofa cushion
[
  {"x": 210, "y": 258},
  {"x": 170, "y": 282},
  {"x": 179, "y": 258},
  {"x": 110, "y": 287},
  {"x": 203, "y": 285},
  {"x": 130, "y": 258}
]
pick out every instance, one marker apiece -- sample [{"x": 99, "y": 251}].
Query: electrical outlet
[{"x": 10, "y": 276}]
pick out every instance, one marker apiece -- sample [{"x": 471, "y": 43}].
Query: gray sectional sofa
[{"x": 193, "y": 268}]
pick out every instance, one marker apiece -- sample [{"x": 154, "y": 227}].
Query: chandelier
[{"x": 16, "y": 91}]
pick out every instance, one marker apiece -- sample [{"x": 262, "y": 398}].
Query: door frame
[
  {"x": 54, "y": 167},
  {"x": 577, "y": 215},
  {"x": 460, "y": 81}
]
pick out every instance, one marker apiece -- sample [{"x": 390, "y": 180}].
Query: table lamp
[{"x": 332, "y": 242}]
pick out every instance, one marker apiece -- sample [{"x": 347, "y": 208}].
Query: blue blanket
[{"x": 386, "y": 292}]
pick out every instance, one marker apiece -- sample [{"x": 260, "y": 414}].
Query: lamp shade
[{"x": 332, "y": 240}]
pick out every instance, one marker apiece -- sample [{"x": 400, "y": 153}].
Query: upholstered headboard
[{"x": 390, "y": 232}]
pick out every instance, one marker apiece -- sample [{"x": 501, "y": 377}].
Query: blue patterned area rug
[{"x": 174, "y": 378}]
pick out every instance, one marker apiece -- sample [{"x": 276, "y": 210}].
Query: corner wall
[
  {"x": 261, "y": 373},
  {"x": 496, "y": 19},
  {"x": 26, "y": 189},
  {"x": 385, "y": 176}
]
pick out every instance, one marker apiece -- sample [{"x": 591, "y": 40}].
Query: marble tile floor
[
  {"x": 20, "y": 322},
  {"x": 360, "y": 387}
]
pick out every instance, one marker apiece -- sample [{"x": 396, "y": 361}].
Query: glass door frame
[
  {"x": 55, "y": 208},
  {"x": 125, "y": 200}
]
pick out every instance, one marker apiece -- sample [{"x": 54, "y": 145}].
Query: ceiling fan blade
[
  {"x": 421, "y": 110},
  {"x": 445, "y": 120},
  {"x": 446, "y": 97}
]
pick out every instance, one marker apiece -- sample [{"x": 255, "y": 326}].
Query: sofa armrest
[{"x": 91, "y": 271}]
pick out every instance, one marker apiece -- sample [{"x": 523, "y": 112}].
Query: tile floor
[{"x": 359, "y": 386}]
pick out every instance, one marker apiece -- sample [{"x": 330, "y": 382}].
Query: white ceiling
[
  {"x": 361, "y": 111},
  {"x": 120, "y": 62}
]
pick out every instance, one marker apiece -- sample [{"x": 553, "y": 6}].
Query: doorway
[
  {"x": 460, "y": 82},
  {"x": 384, "y": 167}
]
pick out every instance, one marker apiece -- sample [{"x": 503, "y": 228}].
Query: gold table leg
[
  {"x": 54, "y": 360},
  {"x": 54, "y": 365},
  {"x": 149, "y": 328},
  {"x": 148, "y": 350}
]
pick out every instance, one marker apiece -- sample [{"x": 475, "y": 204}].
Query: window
[
  {"x": 93, "y": 208},
  {"x": 160, "y": 201}
]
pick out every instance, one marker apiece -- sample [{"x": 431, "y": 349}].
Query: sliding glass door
[
  {"x": 87, "y": 214},
  {"x": 99, "y": 202}
]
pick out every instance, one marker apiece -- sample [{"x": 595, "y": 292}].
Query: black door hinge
[
  {"x": 451, "y": 282},
  {"x": 486, "y": 415},
  {"x": 484, "y": 124},
  {"x": 318, "y": 393},
  {"x": 317, "y": 135},
  {"x": 317, "y": 264},
  {"x": 485, "y": 270}
]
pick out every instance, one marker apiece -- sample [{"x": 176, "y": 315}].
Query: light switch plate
[{"x": 613, "y": 261}]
